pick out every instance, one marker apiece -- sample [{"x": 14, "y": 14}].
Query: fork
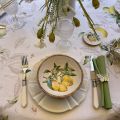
[{"x": 24, "y": 82}]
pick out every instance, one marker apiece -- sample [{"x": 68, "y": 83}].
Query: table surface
[{"x": 23, "y": 42}]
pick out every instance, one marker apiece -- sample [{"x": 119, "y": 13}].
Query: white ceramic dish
[
  {"x": 92, "y": 43},
  {"x": 52, "y": 104},
  {"x": 61, "y": 60}
]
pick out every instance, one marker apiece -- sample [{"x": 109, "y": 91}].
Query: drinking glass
[
  {"x": 28, "y": 8},
  {"x": 64, "y": 30},
  {"x": 12, "y": 9}
]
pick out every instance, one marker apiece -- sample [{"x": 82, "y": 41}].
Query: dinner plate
[
  {"x": 61, "y": 61},
  {"x": 51, "y": 104}
]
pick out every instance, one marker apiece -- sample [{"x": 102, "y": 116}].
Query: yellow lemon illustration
[
  {"x": 62, "y": 88},
  {"x": 66, "y": 78},
  {"x": 55, "y": 85},
  {"x": 65, "y": 83},
  {"x": 71, "y": 81}
]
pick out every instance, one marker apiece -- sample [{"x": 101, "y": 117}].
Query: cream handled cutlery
[
  {"x": 94, "y": 85},
  {"x": 24, "y": 82}
]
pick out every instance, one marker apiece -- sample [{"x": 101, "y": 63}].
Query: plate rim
[
  {"x": 89, "y": 43},
  {"x": 64, "y": 96}
]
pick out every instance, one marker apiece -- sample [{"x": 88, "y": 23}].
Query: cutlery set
[{"x": 100, "y": 87}]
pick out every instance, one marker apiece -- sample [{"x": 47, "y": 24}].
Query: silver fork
[{"x": 24, "y": 82}]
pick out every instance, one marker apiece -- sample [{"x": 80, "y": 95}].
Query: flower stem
[{"x": 90, "y": 21}]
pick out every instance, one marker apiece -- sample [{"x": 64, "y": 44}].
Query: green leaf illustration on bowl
[{"x": 58, "y": 78}]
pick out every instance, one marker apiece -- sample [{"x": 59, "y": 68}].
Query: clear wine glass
[
  {"x": 11, "y": 8},
  {"x": 64, "y": 30},
  {"x": 28, "y": 8}
]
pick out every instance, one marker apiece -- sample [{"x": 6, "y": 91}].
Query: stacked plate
[{"x": 50, "y": 98}]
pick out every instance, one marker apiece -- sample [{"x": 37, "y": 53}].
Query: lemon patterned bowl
[{"x": 60, "y": 89}]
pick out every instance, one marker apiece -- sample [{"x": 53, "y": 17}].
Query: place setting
[
  {"x": 59, "y": 59},
  {"x": 63, "y": 89},
  {"x": 58, "y": 83}
]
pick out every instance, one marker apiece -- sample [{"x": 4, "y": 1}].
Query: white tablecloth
[{"x": 22, "y": 41}]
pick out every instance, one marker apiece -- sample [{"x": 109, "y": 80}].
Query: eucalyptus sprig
[
  {"x": 114, "y": 13},
  {"x": 113, "y": 50},
  {"x": 54, "y": 8},
  {"x": 53, "y": 13},
  {"x": 90, "y": 21}
]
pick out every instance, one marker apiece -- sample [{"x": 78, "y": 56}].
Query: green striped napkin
[{"x": 100, "y": 68}]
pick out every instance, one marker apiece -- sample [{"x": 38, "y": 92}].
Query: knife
[{"x": 94, "y": 85}]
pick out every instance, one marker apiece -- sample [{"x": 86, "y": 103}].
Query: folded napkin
[{"x": 100, "y": 68}]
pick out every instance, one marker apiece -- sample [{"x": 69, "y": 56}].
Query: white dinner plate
[{"x": 51, "y": 104}]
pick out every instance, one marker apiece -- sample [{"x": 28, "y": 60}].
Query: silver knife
[{"x": 94, "y": 85}]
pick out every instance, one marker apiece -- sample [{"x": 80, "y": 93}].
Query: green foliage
[
  {"x": 95, "y": 3},
  {"x": 58, "y": 71},
  {"x": 51, "y": 17},
  {"x": 52, "y": 37},
  {"x": 54, "y": 8},
  {"x": 113, "y": 49},
  {"x": 76, "y": 22},
  {"x": 90, "y": 21}
]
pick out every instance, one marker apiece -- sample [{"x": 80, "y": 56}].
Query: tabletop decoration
[
  {"x": 114, "y": 13},
  {"x": 53, "y": 14},
  {"x": 113, "y": 51},
  {"x": 100, "y": 68}
]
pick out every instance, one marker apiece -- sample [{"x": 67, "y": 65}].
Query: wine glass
[
  {"x": 64, "y": 30},
  {"x": 28, "y": 8},
  {"x": 11, "y": 8}
]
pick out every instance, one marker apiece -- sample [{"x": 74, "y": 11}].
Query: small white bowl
[
  {"x": 48, "y": 63},
  {"x": 91, "y": 43}
]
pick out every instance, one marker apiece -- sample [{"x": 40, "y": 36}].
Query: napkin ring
[{"x": 103, "y": 78}]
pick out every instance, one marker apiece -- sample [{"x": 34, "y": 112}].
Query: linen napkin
[{"x": 100, "y": 68}]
